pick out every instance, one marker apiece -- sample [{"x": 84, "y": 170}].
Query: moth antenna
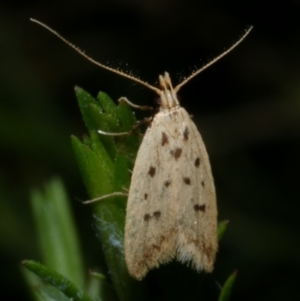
[
  {"x": 135, "y": 79},
  {"x": 176, "y": 89}
]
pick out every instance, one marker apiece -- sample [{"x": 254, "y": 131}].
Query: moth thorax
[{"x": 167, "y": 94}]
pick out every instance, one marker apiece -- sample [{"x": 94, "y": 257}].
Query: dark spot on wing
[
  {"x": 157, "y": 214},
  {"x": 156, "y": 247},
  {"x": 147, "y": 217},
  {"x": 187, "y": 180},
  {"x": 164, "y": 139},
  {"x": 146, "y": 196},
  {"x": 151, "y": 171},
  {"x": 167, "y": 183},
  {"x": 197, "y": 162},
  {"x": 186, "y": 134},
  {"x": 198, "y": 207},
  {"x": 176, "y": 153},
  {"x": 203, "y": 184}
]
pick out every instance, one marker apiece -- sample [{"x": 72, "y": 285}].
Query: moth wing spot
[
  {"x": 176, "y": 153},
  {"x": 146, "y": 196},
  {"x": 199, "y": 207},
  {"x": 157, "y": 214},
  {"x": 167, "y": 183},
  {"x": 186, "y": 134},
  {"x": 151, "y": 171},
  {"x": 158, "y": 246},
  {"x": 164, "y": 139},
  {"x": 197, "y": 162},
  {"x": 147, "y": 217},
  {"x": 203, "y": 184},
  {"x": 187, "y": 180}
]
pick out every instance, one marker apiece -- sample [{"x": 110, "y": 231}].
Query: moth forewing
[{"x": 171, "y": 208}]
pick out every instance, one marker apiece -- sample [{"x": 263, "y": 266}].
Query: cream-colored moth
[{"x": 171, "y": 209}]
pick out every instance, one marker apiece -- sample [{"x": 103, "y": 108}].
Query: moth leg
[
  {"x": 105, "y": 197},
  {"x": 125, "y": 188},
  {"x": 134, "y": 128},
  {"x": 126, "y": 100}
]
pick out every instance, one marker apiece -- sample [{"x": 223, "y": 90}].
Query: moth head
[{"x": 167, "y": 94}]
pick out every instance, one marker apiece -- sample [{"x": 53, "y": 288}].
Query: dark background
[{"x": 246, "y": 107}]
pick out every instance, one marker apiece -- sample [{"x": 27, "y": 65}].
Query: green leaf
[
  {"x": 57, "y": 234},
  {"x": 108, "y": 105},
  {"x": 227, "y": 287},
  {"x": 57, "y": 280},
  {"x": 95, "y": 117},
  {"x": 50, "y": 293},
  {"x": 222, "y": 226},
  {"x": 95, "y": 165},
  {"x": 87, "y": 104},
  {"x": 105, "y": 169},
  {"x": 110, "y": 222},
  {"x": 42, "y": 291}
]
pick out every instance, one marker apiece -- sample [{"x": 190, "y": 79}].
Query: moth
[{"x": 171, "y": 209}]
